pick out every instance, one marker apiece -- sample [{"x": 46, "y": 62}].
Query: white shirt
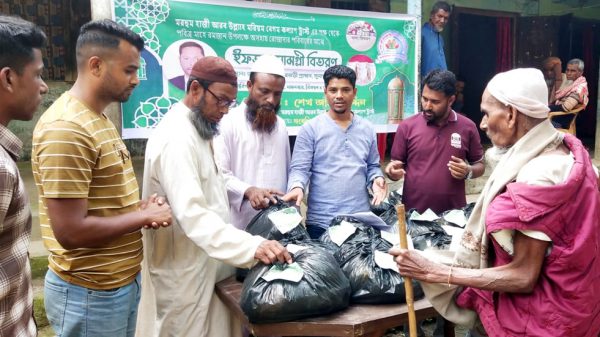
[
  {"x": 250, "y": 158},
  {"x": 183, "y": 262}
]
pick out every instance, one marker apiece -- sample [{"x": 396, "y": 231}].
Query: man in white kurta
[
  {"x": 255, "y": 161},
  {"x": 182, "y": 263}
]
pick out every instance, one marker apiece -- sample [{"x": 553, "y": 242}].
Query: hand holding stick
[{"x": 408, "y": 288}]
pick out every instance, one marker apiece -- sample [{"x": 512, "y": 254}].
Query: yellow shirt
[{"x": 78, "y": 153}]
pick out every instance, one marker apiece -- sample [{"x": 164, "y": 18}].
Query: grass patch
[
  {"x": 39, "y": 266},
  {"x": 39, "y": 313}
]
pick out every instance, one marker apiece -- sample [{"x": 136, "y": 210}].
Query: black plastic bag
[
  {"x": 468, "y": 209},
  {"x": 370, "y": 283},
  {"x": 427, "y": 234},
  {"x": 362, "y": 233},
  {"x": 323, "y": 289},
  {"x": 263, "y": 226},
  {"x": 393, "y": 199}
]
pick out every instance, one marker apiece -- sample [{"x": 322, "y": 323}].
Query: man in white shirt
[
  {"x": 252, "y": 147},
  {"x": 183, "y": 262}
]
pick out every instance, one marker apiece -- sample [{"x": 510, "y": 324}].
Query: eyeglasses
[{"x": 223, "y": 102}]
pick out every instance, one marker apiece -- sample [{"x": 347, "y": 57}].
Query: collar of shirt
[
  {"x": 352, "y": 121},
  {"x": 11, "y": 143},
  {"x": 453, "y": 117}
]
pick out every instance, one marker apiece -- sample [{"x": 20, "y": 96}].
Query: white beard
[{"x": 494, "y": 154}]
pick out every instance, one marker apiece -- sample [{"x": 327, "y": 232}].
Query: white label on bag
[
  {"x": 393, "y": 238},
  {"x": 457, "y": 217},
  {"x": 385, "y": 261},
  {"x": 339, "y": 234},
  {"x": 292, "y": 248},
  {"x": 291, "y": 272},
  {"x": 428, "y": 215},
  {"x": 286, "y": 219}
]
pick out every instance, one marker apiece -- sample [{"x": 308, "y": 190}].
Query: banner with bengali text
[{"x": 380, "y": 47}]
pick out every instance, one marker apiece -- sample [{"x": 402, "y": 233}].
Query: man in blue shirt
[
  {"x": 432, "y": 43},
  {"x": 337, "y": 152}
]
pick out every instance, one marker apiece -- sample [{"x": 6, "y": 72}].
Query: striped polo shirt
[{"x": 78, "y": 153}]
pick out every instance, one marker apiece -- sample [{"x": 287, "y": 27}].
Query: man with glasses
[{"x": 183, "y": 263}]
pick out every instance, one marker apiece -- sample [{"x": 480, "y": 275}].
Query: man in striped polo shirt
[
  {"x": 21, "y": 90},
  {"x": 90, "y": 213}
]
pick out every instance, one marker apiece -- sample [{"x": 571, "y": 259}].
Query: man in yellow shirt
[{"x": 90, "y": 213}]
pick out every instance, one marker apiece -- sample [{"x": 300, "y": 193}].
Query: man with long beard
[
  {"x": 183, "y": 263},
  {"x": 252, "y": 148}
]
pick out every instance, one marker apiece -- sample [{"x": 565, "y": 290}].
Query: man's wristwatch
[{"x": 470, "y": 173}]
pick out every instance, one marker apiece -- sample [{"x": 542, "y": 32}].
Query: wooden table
[{"x": 356, "y": 320}]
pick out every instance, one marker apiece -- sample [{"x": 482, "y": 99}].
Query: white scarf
[{"x": 523, "y": 88}]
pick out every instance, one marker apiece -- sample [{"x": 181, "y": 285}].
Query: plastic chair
[{"x": 571, "y": 129}]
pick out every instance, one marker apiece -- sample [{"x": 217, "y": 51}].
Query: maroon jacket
[{"x": 566, "y": 299}]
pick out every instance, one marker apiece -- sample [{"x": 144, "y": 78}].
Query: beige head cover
[{"x": 523, "y": 88}]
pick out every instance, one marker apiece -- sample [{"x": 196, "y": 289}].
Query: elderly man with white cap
[
  {"x": 183, "y": 262},
  {"x": 252, "y": 147},
  {"x": 528, "y": 263}
]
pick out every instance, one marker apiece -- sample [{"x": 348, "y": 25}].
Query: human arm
[
  {"x": 395, "y": 170},
  {"x": 374, "y": 174},
  {"x": 271, "y": 251},
  {"x": 74, "y": 228},
  {"x": 558, "y": 79},
  {"x": 379, "y": 189},
  {"x": 570, "y": 102},
  {"x": 66, "y": 156},
  {"x": 301, "y": 165},
  {"x": 185, "y": 172},
  {"x": 474, "y": 158},
  {"x": 8, "y": 182},
  {"x": 259, "y": 197},
  {"x": 518, "y": 276},
  {"x": 459, "y": 168}
]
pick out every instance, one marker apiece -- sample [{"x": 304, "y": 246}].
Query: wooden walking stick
[{"x": 408, "y": 287}]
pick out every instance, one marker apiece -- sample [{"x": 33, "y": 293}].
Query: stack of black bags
[
  {"x": 323, "y": 288},
  {"x": 334, "y": 274},
  {"x": 370, "y": 282}
]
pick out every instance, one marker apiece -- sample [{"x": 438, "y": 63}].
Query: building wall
[
  {"x": 50, "y": 17},
  {"x": 585, "y": 9},
  {"x": 590, "y": 9},
  {"x": 60, "y": 20}
]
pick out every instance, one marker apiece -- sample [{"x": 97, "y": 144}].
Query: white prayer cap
[
  {"x": 523, "y": 88},
  {"x": 268, "y": 64}
]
